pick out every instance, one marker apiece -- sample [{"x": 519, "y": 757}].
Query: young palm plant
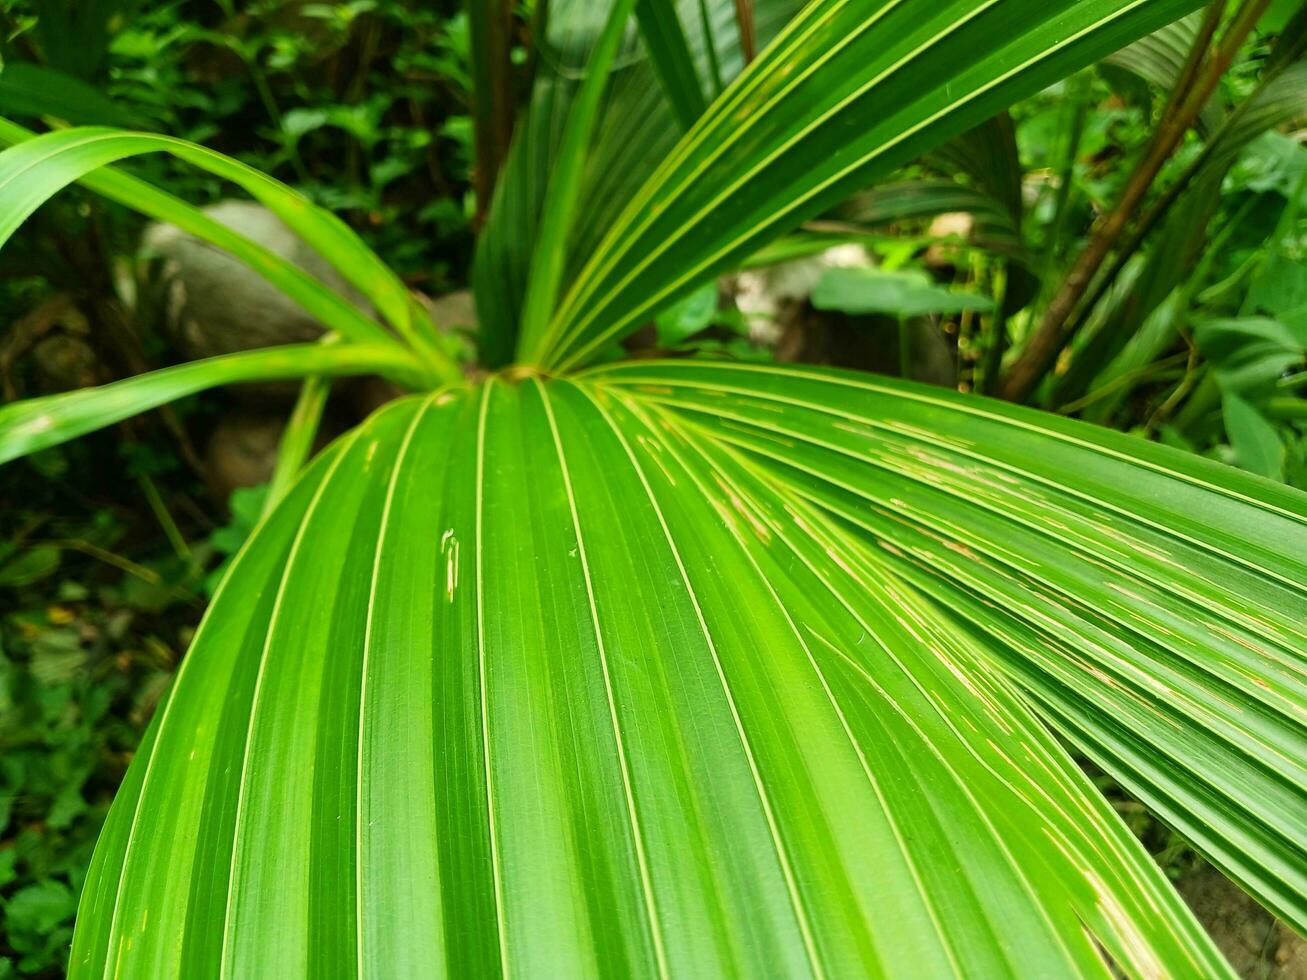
[{"x": 570, "y": 665}]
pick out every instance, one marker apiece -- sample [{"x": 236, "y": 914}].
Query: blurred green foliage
[
  {"x": 88, "y": 640},
  {"x": 362, "y": 105}
]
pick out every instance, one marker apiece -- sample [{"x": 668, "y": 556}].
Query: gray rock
[
  {"x": 775, "y": 301},
  {"x": 218, "y": 305},
  {"x": 242, "y": 448},
  {"x": 454, "y": 312},
  {"x": 242, "y": 451},
  {"x": 215, "y": 304}
]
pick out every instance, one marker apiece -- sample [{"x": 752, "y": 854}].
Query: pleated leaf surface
[
  {"x": 1150, "y": 602},
  {"x": 564, "y": 678}
]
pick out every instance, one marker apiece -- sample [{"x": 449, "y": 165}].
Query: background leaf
[
  {"x": 33, "y": 90},
  {"x": 635, "y": 130},
  {"x": 33, "y": 171},
  {"x": 1256, "y": 442},
  {"x": 897, "y": 294}
]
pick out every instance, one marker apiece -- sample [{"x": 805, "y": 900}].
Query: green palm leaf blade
[
  {"x": 335, "y": 312},
  {"x": 846, "y": 93},
  {"x": 692, "y": 668},
  {"x": 34, "y": 424},
  {"x": 666, "y": 40},
  {"x": 1150, "y": 602},
  {"x": 541, "y": 678},
  {"x": 1159, "y": 58},
  {"x": 105, "y": 915},
  {"x": 34, "y": 170},
  {"x": 636, "y": 128}
]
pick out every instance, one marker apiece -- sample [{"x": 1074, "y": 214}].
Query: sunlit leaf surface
[{"x": 708, "y": 669}]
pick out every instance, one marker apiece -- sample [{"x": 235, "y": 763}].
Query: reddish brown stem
[
  {"x": 1183, "y": 107},
  {"x": 748, "y": 33},
  {"x": 493, "y": 104}
]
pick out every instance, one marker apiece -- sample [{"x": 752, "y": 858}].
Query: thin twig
[
  {"x": 1126, "y": 378},
  {"x": 147, "y": 575},
  {"x": 1186, "y": 385},
  {"x": 171, "y": 531}
]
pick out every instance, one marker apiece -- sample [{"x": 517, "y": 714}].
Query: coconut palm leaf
[
  {"x": 640, "y": 120},
  {"x": 705, "y": 669},
  {"x": 333, "y": 310},
  {"x": 609, "y": 698},
  {"x": 33, "y": 171}
]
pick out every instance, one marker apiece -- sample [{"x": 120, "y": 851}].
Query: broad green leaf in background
[
  {"x": 1281, "y": 286},
  {"x": 1249, "y": 354},
  {"x": 27, "y": 89},
  {"x": 36, "y": 923},
  {"x": 1159, "y": 58},
  {"x": 28, "y": 566},
  {"x": 38, "y": 908},
  {"x": 74, "y": 35},
  {"x": 1256, "y": 442},
  {"x": 690, "y": 316},
  {"x": 903, "y": 293}
]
